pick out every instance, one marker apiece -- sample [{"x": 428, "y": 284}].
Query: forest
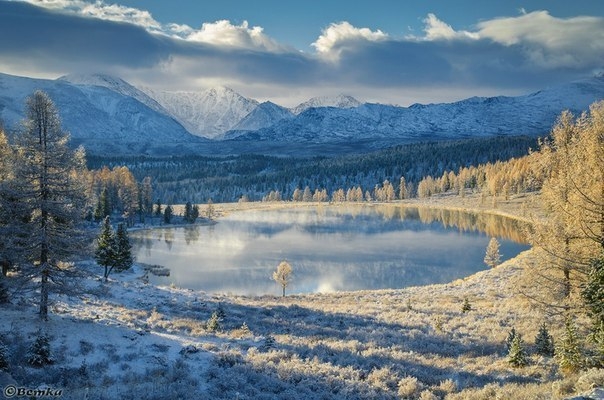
[{"x": 400, "y": 343}]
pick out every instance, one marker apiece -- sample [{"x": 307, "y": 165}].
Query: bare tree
[{"x": 283, "y": 275}]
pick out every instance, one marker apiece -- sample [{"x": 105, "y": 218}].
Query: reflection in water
[{"x": 330, "y": 248}]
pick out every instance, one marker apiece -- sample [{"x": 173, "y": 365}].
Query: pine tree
[
  {"x": 188, "y": 211},
  {"x": 123, "y": 249},
  {"x": 517, "y": 354},
  {"x": 49, "y": 175},
  {"x": 105, "y": 253},
  {"x": 510, "y": 339},
  {"x": 568, "y": 350},
  {"x": 593, "y": 292},
  {"x": 39, "y": 352},
  {"x": 466, "y": 306},
  {"x": 158, "y": 208},
  {"x": 168, "y": 214},
  {"x": 544, "y": 343},
  {"x": 492, "y": 257},
  {"x": 213, "y": 324}
]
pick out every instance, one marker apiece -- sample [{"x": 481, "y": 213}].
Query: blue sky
[{"x": 397, "y": 52}]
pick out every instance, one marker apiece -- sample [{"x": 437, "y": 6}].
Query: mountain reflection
[{"x": 348, "y": 247}]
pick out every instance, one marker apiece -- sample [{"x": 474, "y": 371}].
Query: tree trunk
[
  {"x": 44, "y": 293},
  {"x": 283, "y": 291}
]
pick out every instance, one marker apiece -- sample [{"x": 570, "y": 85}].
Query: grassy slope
[{"x": 125, "y": 339}]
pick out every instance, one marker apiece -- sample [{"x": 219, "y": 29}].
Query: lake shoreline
[{"x": 412, "y": 342}]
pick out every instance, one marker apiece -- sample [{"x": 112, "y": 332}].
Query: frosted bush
[
  {"x": 448, "y": 386},
  {"x": 590, "y": 379},
  {"x": 427, "y": 395},
  {"x": 409, "y": 387}
]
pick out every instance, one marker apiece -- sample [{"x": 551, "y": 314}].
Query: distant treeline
[{"x": 178, "y": 179}]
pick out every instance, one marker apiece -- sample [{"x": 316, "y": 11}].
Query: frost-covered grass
[{"x": 129, "y": 339}]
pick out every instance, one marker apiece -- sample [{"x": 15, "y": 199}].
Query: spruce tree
[
  {"x": 593, "y": 292},
  {"x": 510, "y": 339},
  {"x": 517, "y": 354},
  {"x": 123, "y": 249},
  {"x": 105, "y": 254},
  {"x": 168, "y": 215},
  {"x": 568, "y": 350},
  {"x": 39, "y": 352},
  {"x": 544, "y": 343}
]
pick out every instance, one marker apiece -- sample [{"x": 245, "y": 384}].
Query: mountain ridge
[{"x": 107, "y": 114}]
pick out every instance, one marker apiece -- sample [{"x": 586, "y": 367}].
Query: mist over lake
[{"x": 351, "y": 247}]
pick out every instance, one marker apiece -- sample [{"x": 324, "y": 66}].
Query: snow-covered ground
[{"x": 129, "y": 339}]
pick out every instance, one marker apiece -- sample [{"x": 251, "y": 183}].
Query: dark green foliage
[
  {"x": 466, "y": 306},
  {"x": 4, "y": 295},
  {"x": 103, "y": 207},
  {"x": 517, "y": 356},
  {"x": 593, "y": 292},
  {"x": 544, "y": 343},
  {"x": 596, "y": 360},
  {"x": 168, "y": 215},
  {"x": 4, "y": 365},
  {"x": 113, "y": 249},
  {"x": 39, "y": 352},
  {"x": 568, "y": 350},
  {"x": 269, "y": 342},
  {"x": 158, "y": 209},
  {"x": 229, "y": 178},
  {"x": 105, "y": 252},
  {"x": 123, "y": 251},
  {"x": 213, "y": 324},
  {"x": 191, "y": 213},
  {"x": 510, "y": 339}
]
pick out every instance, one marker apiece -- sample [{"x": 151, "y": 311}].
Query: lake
[{"x": 330, "y": 248}]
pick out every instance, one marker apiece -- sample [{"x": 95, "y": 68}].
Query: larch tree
[
  {"x": 571, "y": 236},
  {"x": 492, "y": 258},
  {"x": 283, "y": 275},
  {"x": 48, "y": 175}
]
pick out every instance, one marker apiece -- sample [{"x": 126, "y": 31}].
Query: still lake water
[{"x": 330, "y": 248}]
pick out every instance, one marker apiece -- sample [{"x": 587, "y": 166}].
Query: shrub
[
  {"x": 213, "y": 324},
  {"x": 409, "y": 387},
  {"x": 466, "y": 306}
]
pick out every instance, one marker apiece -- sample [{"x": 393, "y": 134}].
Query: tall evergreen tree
[
  {"x": 517, "y": 355},
  {"x": 123, "y": 251},
  {"x": 48, "y": 173},
  {"x": 105, "y": 253},
  {"x": 168, "y": 214}
]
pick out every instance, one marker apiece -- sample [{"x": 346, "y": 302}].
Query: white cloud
[
  {"x": 436, "y": 29},
  {"x": 220, "y": 33},
  {"x": 338, "y": 34},
  {"x": 223, "y": 33},
  {"x": 551, "y": 42}
]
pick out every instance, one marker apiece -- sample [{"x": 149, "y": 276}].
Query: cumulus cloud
[
  {"x": 550, "y": 42},
  {"x": 436, "y": 29},
  {"x": 509, "y": 55},
  {"x": 223, "y": 33},
  {"x": 338, "y": 35}
]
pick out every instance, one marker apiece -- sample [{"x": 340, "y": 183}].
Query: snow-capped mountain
[
  {"x": 115, "y": 84},
  {"x": 102, "y": 119},
  {"x": 263, "y": 116},
  {"x": 339, "y": 101},
  {"x": 532, "y": 114},
  {"x": 208, "y": 113},
  {"x": 108, "y": 115}
]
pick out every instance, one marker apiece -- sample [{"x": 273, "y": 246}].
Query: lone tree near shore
[
  {"x": 282, "y": 275},
  {"x": 492, "y": 257}
]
